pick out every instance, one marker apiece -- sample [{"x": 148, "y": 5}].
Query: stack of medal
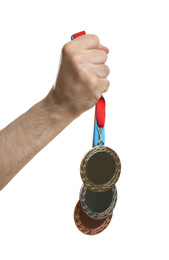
[{"x": 99, "y": 169}]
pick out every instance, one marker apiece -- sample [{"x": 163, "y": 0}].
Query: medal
[
  {"x": 98, "y": 205},
  {"x": 88, "y": 225},
  {"x": 100, "y": 169}
]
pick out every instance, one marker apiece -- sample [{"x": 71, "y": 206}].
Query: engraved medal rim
[
  {"x": 86, "y": 230},
  {"x": 91, "y": 213},
  {"x": 100, "y": 187}
]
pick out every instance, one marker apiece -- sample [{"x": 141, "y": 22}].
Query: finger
[
  {"x": 95, "y": 56},
  {"x": 102, "y": 71},
  {"x": 104, "y": 48},
  {"x": 86, "y": 42},
  {"x": 103, "y": 85}
]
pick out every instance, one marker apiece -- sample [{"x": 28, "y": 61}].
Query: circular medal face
[
  {"x": 98, "y": 205},
  {"x": 100, "y": 168},
  {"x": 88, "y": 225}
]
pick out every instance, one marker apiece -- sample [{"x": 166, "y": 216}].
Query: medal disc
[
  {"x": 98, "y": 205},
  {"x": 88, "y": 225},
  {"x": 100, "y": 168}
]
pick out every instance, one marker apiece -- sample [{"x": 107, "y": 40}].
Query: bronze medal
[{"x": 88, "y": 225}]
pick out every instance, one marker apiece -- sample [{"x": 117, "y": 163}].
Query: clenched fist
[{"x": 82, "y": 75}]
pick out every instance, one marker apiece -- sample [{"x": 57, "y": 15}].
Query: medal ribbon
[{"x": 100, "y": 114}]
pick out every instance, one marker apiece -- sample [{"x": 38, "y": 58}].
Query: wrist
[{"x": 55, "y": 110}]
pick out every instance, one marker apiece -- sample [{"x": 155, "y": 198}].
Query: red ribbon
[
  {"x": 100, "y": 112},
  {"x": 78, "y": 34}
]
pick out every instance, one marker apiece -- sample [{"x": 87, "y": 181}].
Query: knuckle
[
  {"x": 96, "y": 95},
  {"x": 107, "y": 85},
  {"x": 88, "y": 78},
  {"x": 104, "y": 55},
  {"x": 66, "y": 49},
  {"x": 107, "y": 70},
  {"x": 95, "y": 39},
  {"x": 84, "y": 72},
  {"x": 93, "y": 82},
  {"x": 85, "y": 75},
  {"x": 75, "y": 62}
]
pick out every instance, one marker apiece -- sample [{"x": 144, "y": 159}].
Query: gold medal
[{"x": 100, "y": 168}]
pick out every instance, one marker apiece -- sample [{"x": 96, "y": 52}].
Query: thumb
[{"x": 104, "y": 48}]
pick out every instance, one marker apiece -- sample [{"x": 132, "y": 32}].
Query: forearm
[{"x": 22, "y": 139}]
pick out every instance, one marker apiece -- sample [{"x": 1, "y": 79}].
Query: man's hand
[{"x": 81, "y": 79}]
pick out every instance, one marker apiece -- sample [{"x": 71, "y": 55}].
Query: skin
[{"x": 80, "y": 82}]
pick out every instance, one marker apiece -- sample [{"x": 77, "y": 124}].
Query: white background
[{"x": 37, "y": 206}]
